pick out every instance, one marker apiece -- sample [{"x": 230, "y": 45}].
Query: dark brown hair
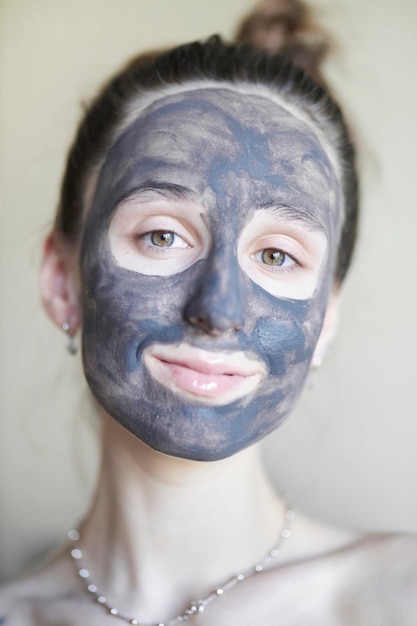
[{"x": 289, "y": 67}]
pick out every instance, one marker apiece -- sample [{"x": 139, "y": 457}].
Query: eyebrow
[
  {"x": 293, "y": 214},
  {"x": 170, "y": 191}
]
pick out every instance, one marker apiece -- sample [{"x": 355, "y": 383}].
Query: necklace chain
[{"x": 195, "y": 608}]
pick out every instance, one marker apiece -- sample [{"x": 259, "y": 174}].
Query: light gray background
[{"x": 348, "y": 455}]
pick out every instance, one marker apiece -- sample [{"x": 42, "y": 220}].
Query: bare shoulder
[
  {"x": 40, "y": 598},
  {"x": 378, "y": 580},
  {"x": 346, "y": 579},
  {"x": 390, "y": 558},
  {"x": 18, "y": 593}
]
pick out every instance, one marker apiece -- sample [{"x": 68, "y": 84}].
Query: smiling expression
[{"x": 207, "y": 261}]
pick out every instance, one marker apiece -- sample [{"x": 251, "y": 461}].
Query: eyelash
[
  {"x": 145, "y": 238},
  {"x": 277, "y": 268}
]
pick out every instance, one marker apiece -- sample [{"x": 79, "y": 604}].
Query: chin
[{"x": 214, "y": 446}]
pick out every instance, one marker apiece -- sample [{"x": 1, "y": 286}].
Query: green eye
[
  {"x": 162, "y": 238},
  {"x": 272, "y": 256}
]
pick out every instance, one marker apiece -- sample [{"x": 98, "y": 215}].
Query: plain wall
[{"x": 349, "y": 454}]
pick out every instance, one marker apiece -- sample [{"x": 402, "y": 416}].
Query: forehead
[
  {"x": 221, "y": 142},
  {"x": 219, "y": 119}
]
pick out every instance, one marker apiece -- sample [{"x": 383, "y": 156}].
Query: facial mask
[{"x": 206, "y": 263}]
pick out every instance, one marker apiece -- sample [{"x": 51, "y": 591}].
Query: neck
[{"x": 163, "y": 531}]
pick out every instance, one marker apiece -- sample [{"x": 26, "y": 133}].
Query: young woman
[{"x": 206, "y": 223}]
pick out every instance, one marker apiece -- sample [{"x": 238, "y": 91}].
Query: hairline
[{"x": 151, "y": 97}]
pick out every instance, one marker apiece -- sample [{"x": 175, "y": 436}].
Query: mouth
[{"x": 214, "y": 378}]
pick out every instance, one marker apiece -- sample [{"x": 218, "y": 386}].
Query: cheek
[
  {"x": 285, "y": 330},
  {"x": 123, "y": 309},
  {"x": 282, "y": 343}
]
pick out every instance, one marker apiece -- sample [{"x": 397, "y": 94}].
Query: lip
[{"x": 214, "y": 378}]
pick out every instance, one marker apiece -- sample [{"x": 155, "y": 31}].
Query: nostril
[
  {"x": 216, "y": 304},
  {"x": 210, "y": 329},
  {"x": 201, "y": 323}
]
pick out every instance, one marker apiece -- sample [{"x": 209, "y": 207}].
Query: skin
[
  {"x": 164, "y": 530},
  {"x": 237, "y": 165}
]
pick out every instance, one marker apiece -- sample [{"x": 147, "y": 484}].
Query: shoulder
[
  {"x": 17, "y": 600},
  {"x": 345, "y": 578},
  {"x": 42, "y": 598},
  {"x": 16, "y": 593},
  {"x": 378, "y": 580},
  {"x": 386, "y": 558}
]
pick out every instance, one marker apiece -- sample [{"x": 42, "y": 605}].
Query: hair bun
[{"x": 289, "y": 28}]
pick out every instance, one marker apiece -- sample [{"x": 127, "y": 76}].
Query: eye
[
  {"x": 274, "y": 258},
  {"x": 163, "y": 239},
  {"x": 282, "y": 255},
  {"x": 158, "y": 237}
]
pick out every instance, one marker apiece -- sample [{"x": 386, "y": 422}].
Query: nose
[{"x": 216, "y": 305}]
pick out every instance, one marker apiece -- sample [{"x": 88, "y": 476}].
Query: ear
[
  {"x": 329, "y": 328},
  {"x": 60, "y": 284}
]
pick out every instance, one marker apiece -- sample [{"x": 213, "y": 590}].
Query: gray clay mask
[{"x": 207, "y": 260}]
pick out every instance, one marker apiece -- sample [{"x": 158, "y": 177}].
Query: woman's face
[{"x": 206, "y": 262}]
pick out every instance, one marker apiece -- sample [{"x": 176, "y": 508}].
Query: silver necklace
[{"x": 195, "y": 608}]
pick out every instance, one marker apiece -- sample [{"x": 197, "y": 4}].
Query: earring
[
  {"x": 72, "y": 344},
  {"x": 317, "y": 361}
]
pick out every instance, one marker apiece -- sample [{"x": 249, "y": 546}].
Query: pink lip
[{"x": 213, "y": 377}]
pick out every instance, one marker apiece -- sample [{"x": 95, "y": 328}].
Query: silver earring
[
  {"x": 317, "y": 361},
  {"x": 72, "y": 344}
]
